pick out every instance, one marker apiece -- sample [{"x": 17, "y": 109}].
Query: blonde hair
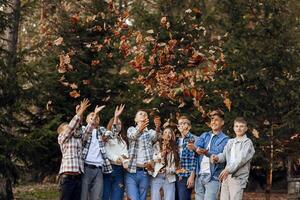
[{"x": 61, "y": 127}]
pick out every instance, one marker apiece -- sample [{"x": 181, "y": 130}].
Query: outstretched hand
[
  {"x": 98, "y": 109},
  {"x": 119, "y": 110},
  {"x": 84, "y": 104}
]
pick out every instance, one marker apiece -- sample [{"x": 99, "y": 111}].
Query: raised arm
[{"x": 74, "y": 123}]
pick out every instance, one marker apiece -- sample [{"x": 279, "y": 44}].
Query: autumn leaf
[
  {"x": 58, "y": 41},
  {"x": 74, "y": 19},
  {"x": 163, "y": 21},
  {"x": 95, "y": 62},
  {"x": 73, "y": 86},
  {"x": 139, "y": 38},
  {"x": 86, "y": 82},
  {"x": 227, "y": 103},
  {"x": 74, "y": 94},
  {"x": 255, "y": 133}
]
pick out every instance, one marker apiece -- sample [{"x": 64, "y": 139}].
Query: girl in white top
[
  {"x": 166, "y": 161},
  {"x": 116, "y": 148}
]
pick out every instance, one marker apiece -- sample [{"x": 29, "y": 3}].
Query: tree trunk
[
  {"x": 11, "y": 33},
  {"x": 9, "y": 71},
  {"x": 5, "y": 189},
  {"x": 271, "y": 163}
]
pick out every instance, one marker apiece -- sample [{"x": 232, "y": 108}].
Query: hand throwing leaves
[
  {"x": 119, "y": 110},
  {"x": 84, "y": 104},
  {"x": 98, "y": 109}
]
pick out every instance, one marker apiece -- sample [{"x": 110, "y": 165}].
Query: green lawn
[{"x": 36, "y": 192}]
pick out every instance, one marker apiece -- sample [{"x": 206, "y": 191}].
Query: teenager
[
  {"x": 117, "y": 153},
  {"x": 166, "y": 161},
  {"x": 237, "y": 154},
  {"x": 141, "y": 140},
  {"x": 95, "y": 159}
]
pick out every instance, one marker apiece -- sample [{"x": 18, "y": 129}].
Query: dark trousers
[
  {"x": 70, "y": 187},
  {"x": 183, "y": 192}
]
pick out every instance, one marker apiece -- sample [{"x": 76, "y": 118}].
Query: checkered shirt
[
  {"x": 188, "y": 157},
  {"x": 106, "y": 168},
  {"x": 148, "y": 137},
  {"x": 71, "y": 147}
]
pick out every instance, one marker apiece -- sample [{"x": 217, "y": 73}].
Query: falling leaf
[
  {"x": 58, "y": 41},
  {"x": 148, "y": 100},
  {"x": 74, "y": 19},
  {"x": 227, "y": 103},
  {"x": 139, "y": 38},
  {"x": 150, "y": 31},
  {"x": 255, "y": 133},
  {"x": 86, "y": 82},
  {"x": 95, "y": 62},
  {"x": 163, "y": 21},
  {"x": 73, "y": 86},
  {"x": 49, "y": 106},
  {"x": 74, "y": 94}
]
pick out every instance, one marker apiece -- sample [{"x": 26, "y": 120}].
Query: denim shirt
[{"x": 217, "y": 146}]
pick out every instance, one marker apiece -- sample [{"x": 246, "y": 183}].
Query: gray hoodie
[{"x": 238, "y": 161}]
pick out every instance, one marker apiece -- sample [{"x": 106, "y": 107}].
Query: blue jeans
[
  {"x": 183, "y": 192},
  {"x": 92, "y": 184},
  {"x": 137, "y": 185},
  {"x": 160, "y": 181},
  {"x": 205, "y": 188},
  {"x": 113, "y": 188}
]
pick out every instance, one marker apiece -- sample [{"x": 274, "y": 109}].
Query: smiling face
[
  {"x": 141, "y": 116},
  {"x": 184, "y": 125},
  {"x": 240, "y": 128},
  {"x": 167, "y": 134},
  {"x": 216, "y": 123}
]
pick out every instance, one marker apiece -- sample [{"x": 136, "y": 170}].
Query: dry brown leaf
[
  {"x": 58, "y": 41},
  {"x": 74, "y": 94}
]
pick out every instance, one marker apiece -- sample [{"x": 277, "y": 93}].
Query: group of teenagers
[{"x": 110, "y": 163}]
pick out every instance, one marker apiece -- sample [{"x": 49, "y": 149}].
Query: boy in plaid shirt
[
  {"x": 185, "y": 175},
  {"x": 95, "y": 159},
  {"x": 140, "y": 152},
  {"x": 71, "y": 168}
]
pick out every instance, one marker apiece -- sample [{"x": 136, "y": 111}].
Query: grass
[
  {"x": 50, "y": 192},
  {"x": 36, "y": 192}
]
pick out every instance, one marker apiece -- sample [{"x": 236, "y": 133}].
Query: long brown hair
[
  {"x": 122, "y": 135},
  {"x": 173, "y": 145}
]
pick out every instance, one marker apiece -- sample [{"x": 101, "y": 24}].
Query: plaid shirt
[
  {"x": 106, "y": 168},
  {"x": 188, "y": 157},
  {"x": 148, "y": 137},
  {"x": 71, "y": 148}
]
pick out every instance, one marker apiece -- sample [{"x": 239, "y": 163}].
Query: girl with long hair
[{"x": 166, "y": 161}]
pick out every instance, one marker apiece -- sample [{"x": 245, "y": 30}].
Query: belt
[
  {"x": 92, "y": 166},
  {"x": 71, "y": 176},
  {"x": 141, "y": 169}
]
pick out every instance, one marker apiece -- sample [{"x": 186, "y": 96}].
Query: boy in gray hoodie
[{"x": 237, "y": 154}]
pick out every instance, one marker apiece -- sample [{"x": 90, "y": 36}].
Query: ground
[{"x": 50, "y": 192}]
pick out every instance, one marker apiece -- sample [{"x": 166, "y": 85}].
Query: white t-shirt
[
  {"x": 94, "y": 156},
  {"x": 205, "y": 165},
  {"x": 180, "y": 145},
  {"x": 140, "y": 160}
]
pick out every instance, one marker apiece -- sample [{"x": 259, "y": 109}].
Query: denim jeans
[
  {"x": 205, "y": 188},
  {"x": 113, "y": 188},
  {"x": 70, "y": 187},
  {"x": 183, "y": 192},
  {"x": 137, "y": 185},
  {"x": 160, "y": 181},
  {"x": 92, "y": 184}
]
